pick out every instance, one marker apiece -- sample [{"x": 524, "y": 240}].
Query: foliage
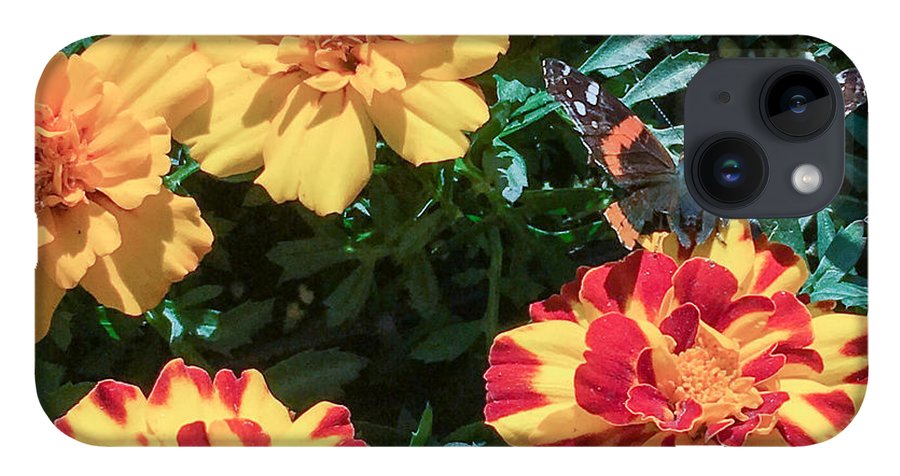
[{"x": 391, "y": 307}]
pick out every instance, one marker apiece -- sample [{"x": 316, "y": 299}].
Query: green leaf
[
  {"x": 348, "y": 298},
  {"x": 199, "y": 295},
  {"x": 237, "y": 326},
  {"x": 843, "y": 252},
  {"x": 476, "y": 434},
  {"x": 506, "y": 168},
  {"x": 620, "y": 50},
  {"x": 304, "y": 258},
  {"x": 787, "y": 231},
  {"x": 423, "y": 432},
  {"x": 849, "y": 294},
  {"x": 448, "y": 343},
  {"x": 422, "y": 284},
  {"x": 313, "y": 375},
  {"x": 512, "y": 91},
  {"x": 671, "y": 74},
  {"x": 824, "y": 230}
]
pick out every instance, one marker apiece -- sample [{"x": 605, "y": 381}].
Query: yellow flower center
[
  {"x": 705, "y": 376},
  {"x": 336, "y": 53},
  {"x": 59, "y": 149}
]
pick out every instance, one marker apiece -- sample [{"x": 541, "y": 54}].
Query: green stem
[
  {"x": 174, "y": 179},
  {"x": 492, "y": 313}
]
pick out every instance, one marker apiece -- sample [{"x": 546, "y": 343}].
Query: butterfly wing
[
  {"x": 853, "y": 89},
  {"x": 615, "y": 138}
]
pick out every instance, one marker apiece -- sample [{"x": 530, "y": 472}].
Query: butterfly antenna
[{"x": 652, "y": 101}]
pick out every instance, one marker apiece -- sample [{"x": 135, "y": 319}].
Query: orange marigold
[
  {"x": 101, "y": 137},
  {"x": 305, "y": 109}
]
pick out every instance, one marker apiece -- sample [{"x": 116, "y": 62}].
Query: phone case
[{"x": 459, "y": 240}]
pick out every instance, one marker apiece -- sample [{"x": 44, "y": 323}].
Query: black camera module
[
  {"x": 731, "y": 170},
  {"x": 798, "y": 103}
]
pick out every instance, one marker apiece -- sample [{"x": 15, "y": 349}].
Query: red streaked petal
[
  {"x": 745, "y": 318},
  {"x": 182, "y": 395},
  {"x": 325, "y": 424},
  {"x": 764, "y": 366},
  {"x": 238, "y": 432},
  {"x": 707, "y": 285},
  {"x": 760, "y": 417},
  {"x": 682, "y": 325},
  {"x": 814, "y": 413},
  {"x": 553, "y": 308},
  {"x": 775, "y": 268},
  {"x": 634, "y": 286},
  {"x": 112, "y": 413},
  {"x": 193, "y": 434}
]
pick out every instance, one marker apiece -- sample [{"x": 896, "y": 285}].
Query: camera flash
[{"x": 807, "y": 178}]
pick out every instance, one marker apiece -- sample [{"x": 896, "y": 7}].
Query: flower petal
[
  {"x": 322, "y": 152},
  {"x": 615, "y": 344},
  {"x": 814, "y": 412},
  {"x": 682, "y": 325},
  {"x": 47, "y": 296},
  {"x": 445, "y": 57},
  {"x": 325, "y": 424},
  {"x": 249, "y": 398},
  {"x": 731, "y": 246},
  {"x": 424, "y": 123},
  {"x": 83, "y": 233},
  {"x": 181, "y": 395},
  {"x": 706, "y": 284},
  {"x": 563, "y": 306},
  {"x": 159, "y": 75},
  {"x": 530, "y": 391},
  {"x": 761, "y": 419},
  {"x": 226, "y": 135},
  {"x": 841, "y": 342},
  {"x": 789, "y": 326},
  {"x": 162, "y": 241},
  {"x": 111, "y": 414},
  {"x": 237, "y": 432},
  {"x": 775, "y": 268},
  {"x": 634, "y": 286}
]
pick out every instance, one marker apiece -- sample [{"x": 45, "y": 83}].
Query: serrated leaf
[
  {"x": 824, "y": 230},
  {"x": 303, "y": 258},
  {"x": 423, "y": 431},
  {"x": 512, "y": 91},
  {"x": 843, "y": 252},
  {"x": 671, "y": 74},
  {"x": 422, "y": 284},
  {"x": 447, "y": 343},
  {"x": 313, "y": 375},
  {"x": 621, "y": 50},
  {"x": 849, "y": 294},
  {"x": 786, "y": 231},
  {"x": 348, "y": 298}
]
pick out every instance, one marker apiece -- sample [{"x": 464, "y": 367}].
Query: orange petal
[
  {"x": 226, "y": 135},
  {"x": 325, "y": 424},
  {"x": 425, "y": 122},
  {"x": 322, "y": 152},
  {"x": 83, "y": 233},
  {"x": 530, "y": 385},
  {"x": 111, "y": 414},
  {"x": 46, "y": 297},
  {"x": 159, "y": 75},
  {"x": 444, "y": 57},
  {"x": 162, "y": 241}
]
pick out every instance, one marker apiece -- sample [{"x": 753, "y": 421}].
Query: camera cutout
[{"x": 742, "y": 155}]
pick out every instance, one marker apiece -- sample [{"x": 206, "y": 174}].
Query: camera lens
[
  {"x": 798, "y": 103},
  {"x": 731, "y": 170}
]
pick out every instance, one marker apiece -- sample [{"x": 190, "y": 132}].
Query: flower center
[
  {"x": 335, "y": 53},
  {"x": 707, "y": 377},
  {"x": 59, "y": 148}
]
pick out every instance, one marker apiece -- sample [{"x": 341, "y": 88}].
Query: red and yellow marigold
[
  {"x": 710, "y": 345},
  {"x": 105, "y": 221},
  {"x": 187, "y": 408},
  {"x": 305, "y": 109}
]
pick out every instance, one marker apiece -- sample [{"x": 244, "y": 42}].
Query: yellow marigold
[
  {"x": 187, "y": 408},
  {"x": 687, "y": 346},
  {"x": 101, "y": 137},
  {"x": 306, "y": 108}
]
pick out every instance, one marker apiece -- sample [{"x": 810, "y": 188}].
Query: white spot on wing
[
  {"x": 569, "y": 93},
  {"x": 579, "y": 108},
  {"x": 566, "y": 69}
]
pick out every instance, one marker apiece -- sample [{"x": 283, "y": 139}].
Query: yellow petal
[
  {"x": 841, "y": 341},
  {"x": 328, "y": 82},
  {"x": 325, "y": 424},
  {"x": 226, "y": 135},
  {"x": 263, "y": 59},
  {"x": 83, "y": 233},
  {"x": 445, "y": 57},
  {"x": 162, "y": 241},
  {"x": 248, "y": 397},
  {"x": 425, "y": 122},
  {"x": 226, "y": 49},
  {"x": 181, "y": 395},
  {"x": 530, "y": 385},
  {"x": 732, "y": 247},
  {"x": 46, "y": 297},
  {"x": 159, "y": 75},
  {"x": 321, "y": 152},
  {"x": 111, "y": 414},
  {"x": 814, "y": 412}
]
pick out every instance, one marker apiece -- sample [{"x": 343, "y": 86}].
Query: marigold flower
[
  {"x": 305, "y": 109},
  {"x": 709, "y": 345},
  {"x": 101, "y": 137},
  {"x": 187, "y": 408}
]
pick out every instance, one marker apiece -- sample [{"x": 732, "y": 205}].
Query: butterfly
[
  {"x": 853, "y": 89},
  {"x": 619, "y": 142}
]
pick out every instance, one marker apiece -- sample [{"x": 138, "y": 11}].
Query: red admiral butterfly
[{"x": 619, "y": 142}]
